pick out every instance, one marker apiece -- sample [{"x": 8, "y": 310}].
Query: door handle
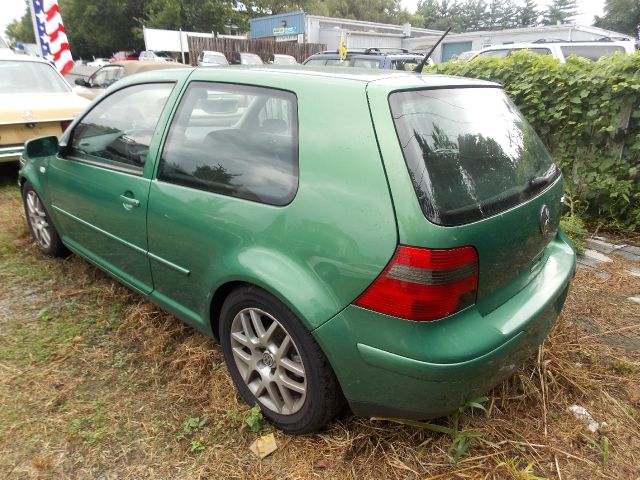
[{"x": 129, "y": 202}]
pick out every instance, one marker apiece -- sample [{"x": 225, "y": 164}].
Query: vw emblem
[
  {"x": 28, "y": 115},
  {"x": 268, "y": 360},
  {"x": 545, "y": 219}
]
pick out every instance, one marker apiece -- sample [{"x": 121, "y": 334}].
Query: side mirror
[
  {"x": 81, "y": 81},
  {"x": 42, "y": 147}
]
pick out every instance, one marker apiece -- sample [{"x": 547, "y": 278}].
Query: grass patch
[{"x": 94, "y": 381}]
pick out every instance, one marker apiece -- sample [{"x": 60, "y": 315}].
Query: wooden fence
[{"x": 264, "y": 48}]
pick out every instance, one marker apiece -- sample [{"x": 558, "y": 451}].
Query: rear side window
[
  {"x": 469, "y": 152},
  {"x": 592, "y": 52},
  {"x": 407, "y": 65},
  {"x": 365, "y": 63},
  {"x": 235, "y": 140}
]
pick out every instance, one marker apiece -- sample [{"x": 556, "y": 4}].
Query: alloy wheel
[
  {"x": 268, "y": 361},
  {"x": 38, "y": 220}
]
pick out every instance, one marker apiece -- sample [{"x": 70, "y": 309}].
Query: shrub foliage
[{"x": 587, "y": 114}]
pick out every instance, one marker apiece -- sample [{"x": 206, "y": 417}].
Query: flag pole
[{"x": 36, "y": 31}]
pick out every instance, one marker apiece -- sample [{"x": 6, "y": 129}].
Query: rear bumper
[
  {"x": 397, "y": 368},
  {"x": 10, "y": 153}
]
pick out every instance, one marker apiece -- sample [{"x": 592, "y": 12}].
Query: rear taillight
[
  {"x": 65, "y": 124},
  {"x": 424, "y": 284}
]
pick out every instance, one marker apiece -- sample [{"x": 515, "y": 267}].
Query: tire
[
  {"x": 291, "y": 380},
  {"x": 42, "y": 230}
]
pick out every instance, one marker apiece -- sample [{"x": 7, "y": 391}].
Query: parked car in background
[
  {"x": 562, "y": 50},
  {"x": 35, "y": 101},
  {"x": 383, "y": 58},
  {"x": 106, "y": 76},
  {"x": 208, "y": 58},
  {"x": 245, "y": 58},
  {"x": 149, "y": 55},
  {"x": 124, "y": 55},
  {"x": 388, "y": 238},
  {"x": 281, "y": 59},
  {"x": 98, "y": 62}
]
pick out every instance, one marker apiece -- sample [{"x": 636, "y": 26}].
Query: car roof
[
  {"x": 281, "y": 75},
  {"x": 135, "y": 66},
  {"x": 9, "y": 55}
]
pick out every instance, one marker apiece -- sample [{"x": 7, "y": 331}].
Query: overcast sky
[{"x": 588, "y": 8}]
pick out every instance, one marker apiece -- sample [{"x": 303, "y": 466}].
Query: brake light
[
  {"x": 65, "y": 124},
  {"x": 424, "y": 284}
]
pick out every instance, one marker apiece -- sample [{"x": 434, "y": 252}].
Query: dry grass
[{"x": 94, "y": 381}]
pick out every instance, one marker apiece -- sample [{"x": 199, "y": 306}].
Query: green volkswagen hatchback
[{"x": 388, "y": 239}]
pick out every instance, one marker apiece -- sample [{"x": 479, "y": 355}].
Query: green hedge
[{"x": 588, "y": 115}]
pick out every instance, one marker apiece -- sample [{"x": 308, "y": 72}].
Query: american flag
[{"x": 50, "y": 31}]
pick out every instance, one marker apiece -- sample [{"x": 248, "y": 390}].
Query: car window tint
[
  {"x": 494, "y": 53},
  {"x": 118, "y": 130},
  {"x": 234, "y": 140},
  {"x": 592, "y": 52},
  {"x": 365, "y": 63},
  {"x": 334, "y": 61}
]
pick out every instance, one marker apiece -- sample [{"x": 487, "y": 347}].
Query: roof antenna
[{"x": 419, "y": 68}]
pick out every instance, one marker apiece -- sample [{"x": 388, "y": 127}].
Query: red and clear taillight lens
[
  {"x": 424, "y": 284},
  {"x": 65, "y": 124}
]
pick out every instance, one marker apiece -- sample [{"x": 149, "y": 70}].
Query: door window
[
  {"x": 117, "y": 132},
  {"x": 234, "y": 140}
]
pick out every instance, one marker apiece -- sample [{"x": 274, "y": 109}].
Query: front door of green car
[{"x": 102, "y": 185}]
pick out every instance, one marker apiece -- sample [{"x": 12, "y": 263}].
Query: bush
[{"x": 587, "y": 114}]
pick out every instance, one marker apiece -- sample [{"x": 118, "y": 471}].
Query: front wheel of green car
[
  {"x": 275, "y": 362},
  {"x": 40, "y": 226}
]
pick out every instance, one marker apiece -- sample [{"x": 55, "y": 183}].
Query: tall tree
[
  {"x": 474, "y": 15},
  {"x": 621, "y": 16},
  {"x": 528, "y": 14},
  {"x": 101, "y": 28},
  {"x": 21, "y": 30},
  {"x": 560, "y": 11}
]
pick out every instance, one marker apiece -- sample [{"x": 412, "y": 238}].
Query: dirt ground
[{"x": 96, "y": 383}]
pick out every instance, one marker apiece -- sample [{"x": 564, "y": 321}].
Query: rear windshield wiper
[{"x": 535, "y": 183}]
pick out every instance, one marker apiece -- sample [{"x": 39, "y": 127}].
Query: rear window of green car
[{"x": 469, "y": 152}]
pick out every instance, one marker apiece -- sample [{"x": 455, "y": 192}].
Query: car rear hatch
[{"x": 466, "y": 169}]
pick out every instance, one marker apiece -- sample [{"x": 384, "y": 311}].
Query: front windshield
[
  {"x": 469, "y": 152},
  {"x": 30, "y": 77}
]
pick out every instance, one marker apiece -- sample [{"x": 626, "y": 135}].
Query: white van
[{"x": 561, "y": 50}]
